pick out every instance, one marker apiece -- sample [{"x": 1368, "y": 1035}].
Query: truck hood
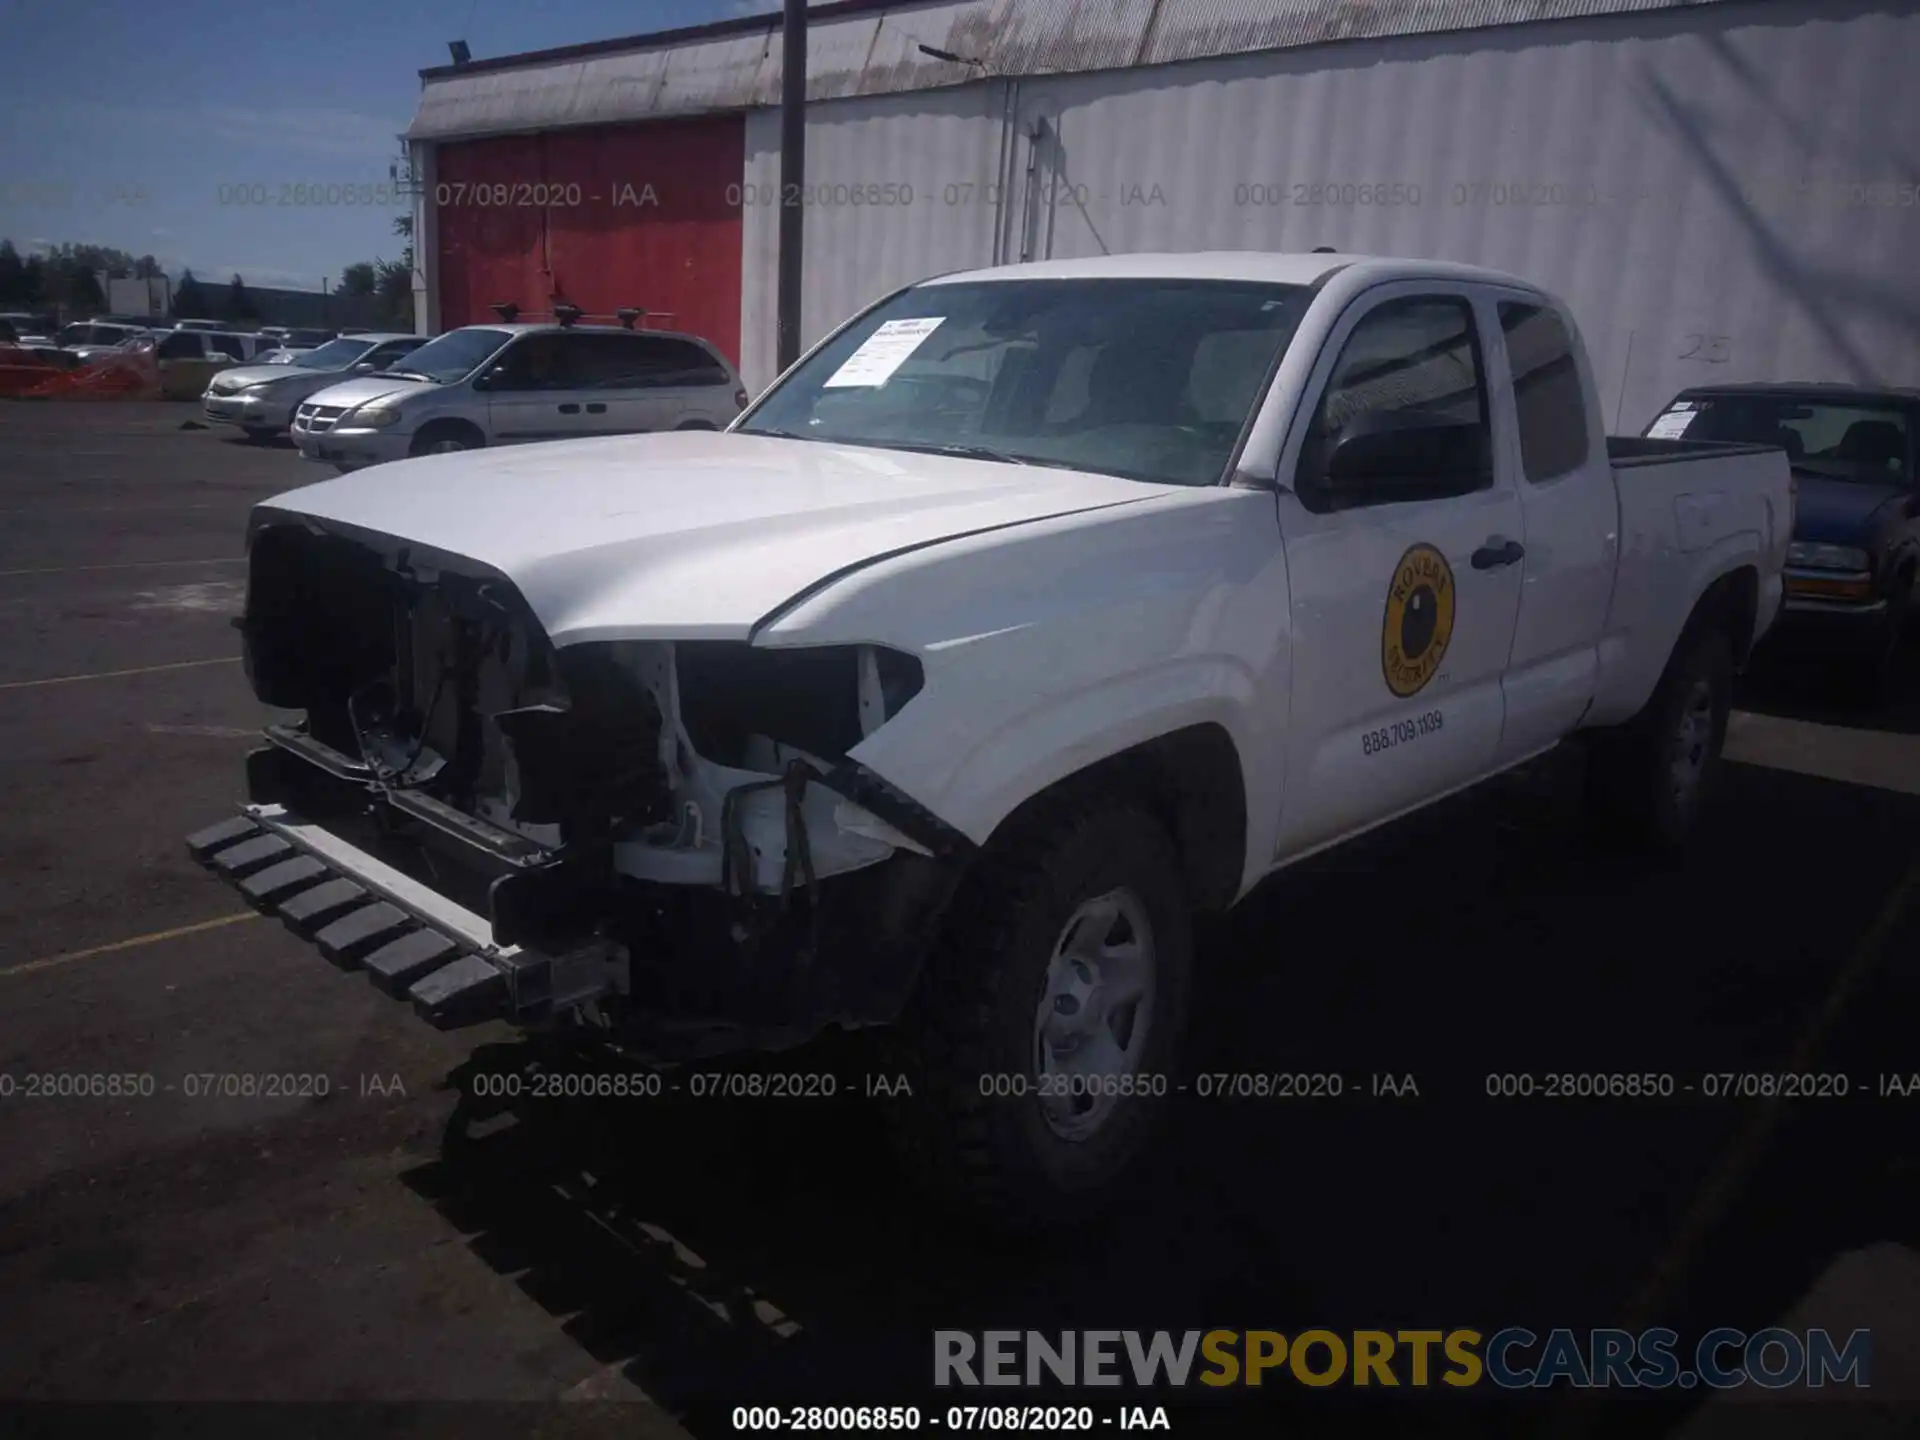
[
  {"x": 1841, "y": 512},
  {"x": 685, "y": 535},
  {"x": 363, "y": 388}
]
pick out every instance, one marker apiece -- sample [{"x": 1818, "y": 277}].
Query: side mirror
[
  {"x": 1381, "y": 456},
  {"x": 364, "y": 367}
]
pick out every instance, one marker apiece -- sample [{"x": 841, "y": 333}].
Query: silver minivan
[{"x": 511, "y": 384}]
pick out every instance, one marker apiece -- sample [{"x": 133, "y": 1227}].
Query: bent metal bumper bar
[{"x": 412, "y": 942}]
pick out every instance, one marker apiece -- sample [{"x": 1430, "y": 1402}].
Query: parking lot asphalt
[{"x": 684, "y": 1256}]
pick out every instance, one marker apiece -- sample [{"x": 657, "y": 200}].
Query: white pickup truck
[{"x": 1033, "y": 611}]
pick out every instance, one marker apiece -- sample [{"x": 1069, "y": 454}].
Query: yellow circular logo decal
[{"x": 1419, "y": 620}]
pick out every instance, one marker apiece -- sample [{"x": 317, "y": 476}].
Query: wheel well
[
  {"x": 1191, "y": 781},
  {"x": 1731, "y": 604},
  {"x": 435, "y": 428}
]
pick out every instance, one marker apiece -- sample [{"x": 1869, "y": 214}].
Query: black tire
[
  {"x": 1879, "y": 674},
  {"x": 258, "y": 436},
  {"x": 436, "y": 437},
  {"x": 974, "y": 1018},
  {"x": 1636, "y": 797},
  {"x": 696, "y": 425}
]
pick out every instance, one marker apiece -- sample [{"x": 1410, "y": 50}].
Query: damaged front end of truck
[{"x": 667, "y": 840}]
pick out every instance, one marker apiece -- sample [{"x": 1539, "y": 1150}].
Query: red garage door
[{"x": 600, "y": 218}]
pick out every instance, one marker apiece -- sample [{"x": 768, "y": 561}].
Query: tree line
[{"x": 65, "y": 279}]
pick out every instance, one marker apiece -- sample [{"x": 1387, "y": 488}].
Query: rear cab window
[{"x": 1550, "y": 404}]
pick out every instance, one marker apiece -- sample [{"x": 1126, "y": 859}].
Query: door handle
[
  {"x": 596, "y": 408},
  {"x": 1498, "y": 552},
  {"x": 569, "y": 409}
]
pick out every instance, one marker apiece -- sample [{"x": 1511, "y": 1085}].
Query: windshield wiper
[
  {"x": 965, "y": 452},
  {"x": 409, "y": 375}
]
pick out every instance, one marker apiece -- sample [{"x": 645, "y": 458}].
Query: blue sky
[{"x": 120, "y": 122}]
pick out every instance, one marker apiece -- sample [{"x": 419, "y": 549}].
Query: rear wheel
[
  {"x": 447, "y": 437},
  {"x": 1043, "y": 1037},
  {"x": 1647, "y": 782}
]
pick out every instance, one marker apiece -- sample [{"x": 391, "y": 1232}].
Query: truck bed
[{"x": 1688, "y": 510}]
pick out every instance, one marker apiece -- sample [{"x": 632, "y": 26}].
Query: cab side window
[
  {"x": 182, "y": 345},
  {"x": 1548, "y": 399},
  {"x": 613, "y": 362},
  {"x": 681, "y": 362},
  {"x": 1411, "y": 367},
  {"x": 539, "y": 362}
]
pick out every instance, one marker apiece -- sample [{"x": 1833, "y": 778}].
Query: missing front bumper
[{"x": 412, "y": 942}]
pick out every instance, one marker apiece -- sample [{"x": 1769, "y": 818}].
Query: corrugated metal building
[{"x": 1723, "y": 189}]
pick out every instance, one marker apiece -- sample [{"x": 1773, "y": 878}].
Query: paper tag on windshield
[
  {"x": 1673, "y": 424},
  {"x": 884, "y": 352}
]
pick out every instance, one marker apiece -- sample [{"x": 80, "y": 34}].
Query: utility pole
[{"x": 793, "y": 175}]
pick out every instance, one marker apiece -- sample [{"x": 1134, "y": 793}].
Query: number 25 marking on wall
[{"x": 1708, "y": 349}]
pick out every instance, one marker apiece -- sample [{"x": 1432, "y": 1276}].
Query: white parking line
[
  {"x": 115, "y": 509},
  {"x": 1831, "y": 752},
  {"x": 124, "y": 565},
  {"x": 216, "y": 732},
  {"x": 116, "y": 674},
  {"x": 149, "y": 939}
]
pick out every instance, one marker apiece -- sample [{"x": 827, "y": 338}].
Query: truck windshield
[
  {"x": 1149, "y": 379},
  {"x": 1864, "y": 444},
  {"x": 454, "y": 356}
]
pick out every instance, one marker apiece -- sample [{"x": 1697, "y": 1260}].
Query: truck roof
[
  {"x": 1259, "y": 266},
  {"x": 1831, "y": 391}
]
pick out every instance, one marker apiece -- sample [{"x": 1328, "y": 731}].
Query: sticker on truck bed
[
  {"x": 883, "y": 352},
  {"x": 1673, "y": 424},
  {"x": 1418, "y": 622}
]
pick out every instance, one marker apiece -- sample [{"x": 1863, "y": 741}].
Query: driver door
[{"x": 1404, "y": 599}]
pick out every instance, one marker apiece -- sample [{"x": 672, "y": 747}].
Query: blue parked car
[{"x": 1854, "y": 565}]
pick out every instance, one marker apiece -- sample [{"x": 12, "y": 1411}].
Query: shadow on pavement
[
  {"x": 1798, "y": 683},
  {"x": 724, "y": 1251}
]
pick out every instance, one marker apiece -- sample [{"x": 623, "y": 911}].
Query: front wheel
[
  {"x": 446, "y": 439},
  {"x": 256, "y": 435},
  {"x": 1647, "y": 782},
  {"x": 1043, "y": 1041}
]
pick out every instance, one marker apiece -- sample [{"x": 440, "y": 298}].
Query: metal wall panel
[
  {"x": 939, "y": 153},
  {"x": 1645, "y": 167}
]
